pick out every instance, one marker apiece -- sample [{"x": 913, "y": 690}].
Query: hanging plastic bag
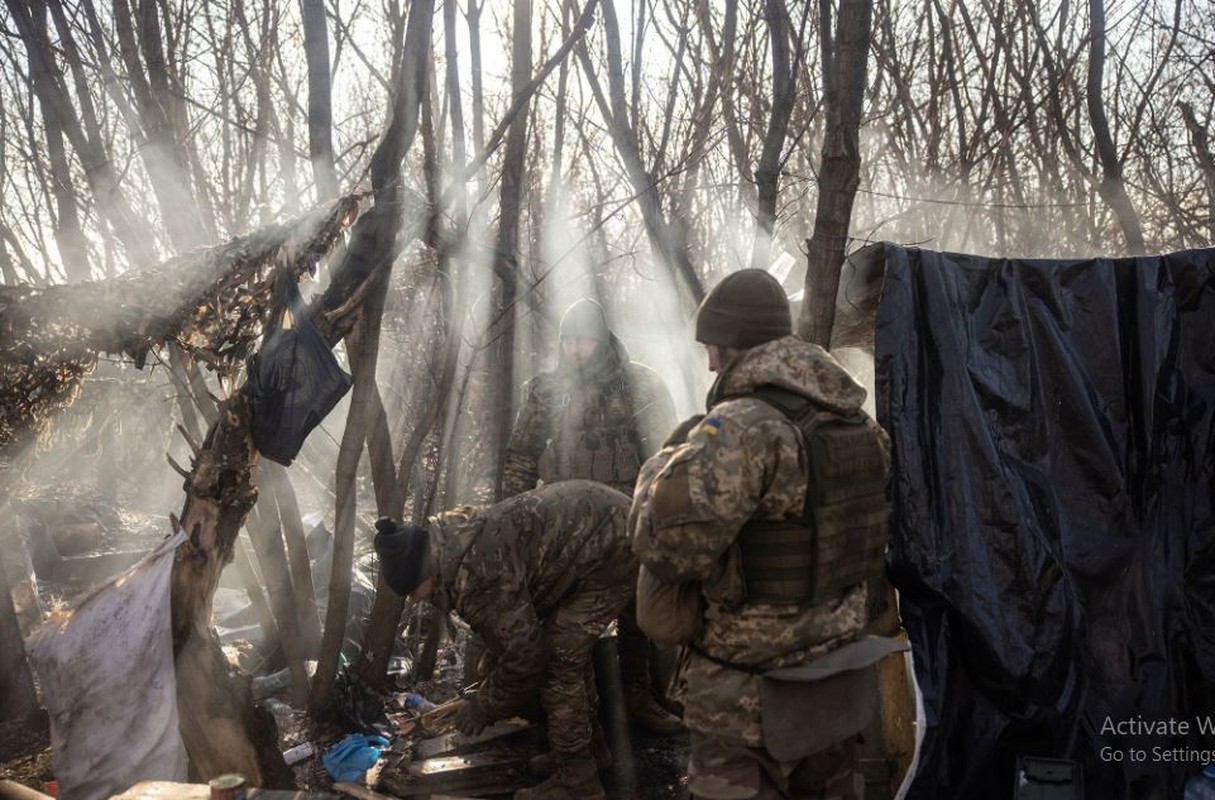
[{"x": 294, "y": 381}]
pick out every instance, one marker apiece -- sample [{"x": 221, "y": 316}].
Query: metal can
[{"x": 228, "y": 787}]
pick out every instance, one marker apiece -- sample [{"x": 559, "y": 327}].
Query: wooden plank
[
  {"x": 11, "y": 790},
  {"x": 457, "y": 742},
  {"x": 478, "y": 774},
  {"x": 359, "y": 791},
  {"x": 897, "y": 713},
  {"x": 167, "y": 790}
]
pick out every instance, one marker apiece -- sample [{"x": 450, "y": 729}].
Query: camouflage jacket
[
  {"x": 504, "y": 568},
  {"x": 599, "y": 422},
  {"x": 745, "y": 460}
]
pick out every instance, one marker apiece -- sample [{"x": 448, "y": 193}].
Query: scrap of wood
[
  {"x": 11, "y": 790},
  {"x": 442, "y": 719},
  {"x": 479, "y": 774},
  {"x": 359, "y": 791},
  {"x": 168, "y": 790},
  {"x": 455, "y": 742}
]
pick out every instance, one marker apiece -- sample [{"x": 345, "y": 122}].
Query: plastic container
[{"x": 298, "y": 753}]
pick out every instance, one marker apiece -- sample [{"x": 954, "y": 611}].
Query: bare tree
[{"x": 844, "y": 57}]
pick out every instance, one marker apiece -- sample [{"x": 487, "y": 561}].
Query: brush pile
[{"x": 212, "y": 303}]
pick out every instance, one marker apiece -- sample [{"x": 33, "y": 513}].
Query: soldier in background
[
  {"x": 730, "y": 510},
  {"x": 538, "y": 577},
  {"x": 598, "y": 416}
]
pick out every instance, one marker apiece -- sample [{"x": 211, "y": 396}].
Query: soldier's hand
[
  {"x": 472, "y": 719},
  {"x": 680, "y": 434}
]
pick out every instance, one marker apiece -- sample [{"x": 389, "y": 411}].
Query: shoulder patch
[{"x": 712, "y": 426}]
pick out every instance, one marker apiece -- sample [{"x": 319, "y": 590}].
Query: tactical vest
[{"x": 840, "y": 539}]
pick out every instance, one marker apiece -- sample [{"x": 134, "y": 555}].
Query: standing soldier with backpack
[
  {"x": 598, "y": 416},
  {"x": 761, "y": 529}
]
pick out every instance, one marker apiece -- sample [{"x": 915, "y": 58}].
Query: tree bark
[
  {"x": 506, "y": 253},
  {"x": 373, "y": 247},
  {"x": 784, "y": 92},
  {"x": 845, "y": 57},
  {"x": 669, "y": 240},
  {"x": 266, "y": 534},
  {"x": 99, "y": 169},
  {"x": 17, "y": 695},
  {"x": 1201, "y": 142},
  {"x": 222, "y": 730},
  {"x": 320, "y": 106},
  {"x": 279, "y": 482},
  {"x": 164, "y": 149}
]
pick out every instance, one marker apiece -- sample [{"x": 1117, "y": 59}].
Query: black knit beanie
[
  {"x": 745, "y": 309},
  {"x": 402, "y": 551}
]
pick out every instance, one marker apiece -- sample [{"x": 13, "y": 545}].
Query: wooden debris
[
  {"x": 442, "y": 719},
  {"x": 458, "y": 743},
  {"x": 359, "y": 791},
  {"x": 479, "y": 774},
  {"x": 167, "y": 790}
]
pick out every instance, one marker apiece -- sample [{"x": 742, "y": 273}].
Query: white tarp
[{"x": 107, "y": 677}]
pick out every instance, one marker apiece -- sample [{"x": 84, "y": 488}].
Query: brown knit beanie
[
  {"x": 585, "y": 320},
  {"x": 747, "y": 308}
]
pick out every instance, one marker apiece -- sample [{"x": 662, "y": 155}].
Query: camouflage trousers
[
  {"x": 568, "y": 695},
  {"x": 721, "y": 771}
]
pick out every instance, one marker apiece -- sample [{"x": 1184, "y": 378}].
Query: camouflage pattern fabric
[
  {"x": 538, "y": 577},
  {"x": 718, "y": 771},
  {"x": 744, "y": 460},
  {"x": 599, "y": 422}
]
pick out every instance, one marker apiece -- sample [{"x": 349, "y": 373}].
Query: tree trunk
[
  {"x": 17, "y": 695},
  {"x": 99, "y": 168},
  {"x": 844, "y": 65},
  {"x": 164, "y": 149},
  {"x": 222, "y": 730},
  {"x": 278, "y": 481},
  {"x": 506, "y": 253},
  {"x": 1112, "y": 188},
  {"x": 784, "y": 92},
  {"x": 265, "y": 533},
  {"x": 669, "y": 241},
  {"x": 373, "y": 247},
  {"x": 1201, "y": 143},
  {"x": 320, "y": 107}
]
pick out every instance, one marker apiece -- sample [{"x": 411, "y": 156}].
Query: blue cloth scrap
[{"x": 350, "y": 758}]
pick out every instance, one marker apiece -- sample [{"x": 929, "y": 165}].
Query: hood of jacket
[{"x": 793, "y": 364}]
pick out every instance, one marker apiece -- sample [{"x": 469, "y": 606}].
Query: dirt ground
[
  {"x": 651, "y": 770},
  {"x": 26, "y": 758}
]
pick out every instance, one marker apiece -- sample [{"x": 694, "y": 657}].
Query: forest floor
[{"x": 652, "y": 770}]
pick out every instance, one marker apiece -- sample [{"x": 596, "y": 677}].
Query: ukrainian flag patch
[{"x": 712, "y": 426}]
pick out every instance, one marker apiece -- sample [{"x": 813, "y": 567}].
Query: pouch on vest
[
  {"x": 668, "y": 613},
  {"x": 294, "y": 381},
  {"x": 812, "y": 706}
]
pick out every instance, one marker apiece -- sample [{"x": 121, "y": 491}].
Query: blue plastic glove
[{"x": 350, "y": 758}]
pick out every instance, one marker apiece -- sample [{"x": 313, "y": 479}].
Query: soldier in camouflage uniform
[
  {"x": 539, "y": 577},
  {"x": 597, "y": 416},
  {"x": 745, "y": 461}
]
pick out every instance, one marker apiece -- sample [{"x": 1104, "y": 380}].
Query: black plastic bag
[{"x": 294, "y": 381}]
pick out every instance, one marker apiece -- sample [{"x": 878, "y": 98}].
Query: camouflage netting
[{"x": 213, "y": 303}]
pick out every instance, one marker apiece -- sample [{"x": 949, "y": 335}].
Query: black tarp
[{"x": 1053, "y": 541}]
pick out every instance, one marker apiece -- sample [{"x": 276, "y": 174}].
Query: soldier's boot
[
  {"x": 643, "y": 707},
  {"x": 574, "y": 779},
  {"x": 546, "y": 764}
]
